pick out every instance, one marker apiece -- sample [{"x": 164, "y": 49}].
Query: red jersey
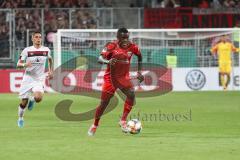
[{"x": 123, "y": 56}]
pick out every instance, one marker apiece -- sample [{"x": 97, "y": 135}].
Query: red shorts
[{"x": 109, "y": 87}]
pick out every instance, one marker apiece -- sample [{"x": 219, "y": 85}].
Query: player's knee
[
  {"x": 38, "y": 99},
  {"x": 24, "y": 103},
  {"x": 104, "y": 103},
  {"x": 131, "y": 96}
]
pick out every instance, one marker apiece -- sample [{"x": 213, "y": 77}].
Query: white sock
[
  {"x": 20, "y": 118},
  {"x": 21, "y": 112},
  {"x": 32, "y": 98}
]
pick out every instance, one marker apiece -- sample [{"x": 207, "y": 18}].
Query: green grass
[{"x": 211, "y": 132}]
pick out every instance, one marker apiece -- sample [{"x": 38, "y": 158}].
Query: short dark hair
[
  {"x": 122, "y": 30},
  {"x": 36, "y": 32}
]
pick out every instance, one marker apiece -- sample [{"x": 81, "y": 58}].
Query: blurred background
[{"x": 18, "y": 18}]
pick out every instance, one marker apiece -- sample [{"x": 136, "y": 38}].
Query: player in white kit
[{"x": 33, "y": 59}]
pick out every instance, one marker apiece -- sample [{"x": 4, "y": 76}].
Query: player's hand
[
  {"x": 112, "y": 61},
  {"x": 50, "y": 75},
  {"x": 28, "y": 64},
  {"x": 140, "y": 77}
]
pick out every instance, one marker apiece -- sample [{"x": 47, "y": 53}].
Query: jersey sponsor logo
[
  {"x": 38, "y": 61},
  {"x": 37, "y": 53},
  {"x": 129, "y": 53},
  {"x": 195, "y": 79}
]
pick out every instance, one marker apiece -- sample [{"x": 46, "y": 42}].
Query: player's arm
[
  {"x": 106, "y": 54},
  {"x": 139, "y": 57},
  {"x": 22, "y": 64},
  {"x": 137, "y": 52},
  {"x": 102, "y": 60},
  {"x": 139, "y": 73},
  {"x": 50, "y": 66},
  {"x": 21, "y": 61},
  {"x": 234, "y": 49},
  {"x": 214, "y": 49}
]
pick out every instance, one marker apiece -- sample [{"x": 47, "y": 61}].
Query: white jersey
[{"x": 37, "y": 57}]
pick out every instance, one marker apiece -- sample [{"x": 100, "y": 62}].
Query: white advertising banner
[{"x": 203, "y": 79}]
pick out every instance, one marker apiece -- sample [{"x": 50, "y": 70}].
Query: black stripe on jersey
[{"x": 37, "y": 53}]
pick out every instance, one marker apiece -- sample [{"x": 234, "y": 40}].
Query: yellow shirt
[
  {"x": 171, "y": 61},
  {"x": 224, "y": 51}
]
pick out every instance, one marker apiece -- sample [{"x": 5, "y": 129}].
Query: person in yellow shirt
[
  {"x": 224, "y": 51},
  {"x": 171, "y": 59}
]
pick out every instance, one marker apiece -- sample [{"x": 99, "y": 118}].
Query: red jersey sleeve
[
  {"x": 135, "y": 50},
  {"x": 107, "y": 50}
]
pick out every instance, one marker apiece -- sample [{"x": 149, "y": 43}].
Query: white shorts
[{"x": 29, "y": 86}]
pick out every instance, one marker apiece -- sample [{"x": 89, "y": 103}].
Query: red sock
[
  {"x": 98, "y": 114},
  {"x": 127, "y": 108}
]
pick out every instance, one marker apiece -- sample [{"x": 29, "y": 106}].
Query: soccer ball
[{"x": 134, "y": 126}]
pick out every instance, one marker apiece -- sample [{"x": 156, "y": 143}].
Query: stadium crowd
[
  {"x": 110, "y": 3},
  {"x": 29, "y": 16},
  {"x": 195, "y": 3},
  {"x": 55, "y": 18}
]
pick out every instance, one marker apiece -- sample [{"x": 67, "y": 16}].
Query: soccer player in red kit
[{"x": 117, "y": 55}]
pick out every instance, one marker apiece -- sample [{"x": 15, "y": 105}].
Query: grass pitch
[{"x": 181, "y": 126}]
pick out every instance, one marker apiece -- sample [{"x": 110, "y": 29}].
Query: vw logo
[{"x": 195, "y": 79}]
